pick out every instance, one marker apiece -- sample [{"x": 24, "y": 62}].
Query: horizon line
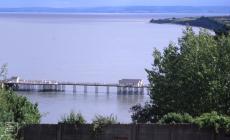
[{"x": 120, "y": 6}]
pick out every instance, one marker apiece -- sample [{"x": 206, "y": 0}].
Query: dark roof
[{"x": 130, "y": 80}]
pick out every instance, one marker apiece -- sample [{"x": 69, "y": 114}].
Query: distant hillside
[
  {"x": 126, "y": 9},
  {"x": 219, "y": 24}
]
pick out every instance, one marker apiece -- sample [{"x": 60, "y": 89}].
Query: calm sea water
[{"x": 83, "y": 48}]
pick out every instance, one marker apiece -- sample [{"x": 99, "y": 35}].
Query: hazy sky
[{"x": 98, "y": 3}]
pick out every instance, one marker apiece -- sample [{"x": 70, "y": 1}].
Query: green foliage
[
  {"x": 4, "y": 134},
  {"x": 143, "y": 114},
  {"x": 191, "y": 77},
  {"x": 100, "y": 121},
  {"x": 23, "y": 112},
  {"x": 15, "y": 111},
  {"x": 173, "y": 118},
  {"x": 73, "y": 118},
  {"x": 213, "y": 120},
  {"x": 8, "y": 131}
]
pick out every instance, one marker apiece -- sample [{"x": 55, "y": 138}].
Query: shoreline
[
  {"x": 100, "y": 16},
  {"x": 219, "y": 24}
]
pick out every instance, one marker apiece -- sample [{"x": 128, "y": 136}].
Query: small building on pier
[
  {"x": 131, "y": 86},
  {"x": 14, "y": 79},
  {"x": 131, "y": 82}
]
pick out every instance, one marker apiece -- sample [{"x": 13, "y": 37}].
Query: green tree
[
  {"x": 15, "y": 111},
  {"x": 191, "y": 77},
  {"x": 23, "y": 111}
]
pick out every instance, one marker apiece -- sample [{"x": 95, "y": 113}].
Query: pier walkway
[{"x": 58, "y": 86}]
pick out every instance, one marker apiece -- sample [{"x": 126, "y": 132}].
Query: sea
[{"x": 84, "y": 47}]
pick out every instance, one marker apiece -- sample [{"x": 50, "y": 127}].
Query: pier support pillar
[
  {"x": 74, "y": 88},
  {"x": 49, "y": 87},
  {"x": 43, "y": 87},
  {"x": 107, "y": 89},
  {"x": 85, "y": 89},
  {"x": 63, "y": 88},
  {"x": 56, "y": 88},
  {"x": 136, "y": 90},
  {"x": 33, "y": 88},
  {"x": 141, "y": 90},
  {"x": 96, "y": 89},
  {"x": 130, "y": 90},
  {"x": 59, "y": 88},
  {"x": 118, "y": 89},
  {"x": 124, "y": 90},
  {"x": 38, "y": 88}
]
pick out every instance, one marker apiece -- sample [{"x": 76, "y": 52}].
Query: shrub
[
  {"x": 8, "y": 131},
  {"x": 4, "y": 134},
  {"x": 15, "y": 112},
  {"x": 5, "y": 114},
  {"x": 213, "y": 120},
  {"x": 143, "y": 114},
  {"x": 73, "y": 118},
  {"x": 172, "y": 118},
  {"x": 100, "y": 121},
  {"x": 22, "y": 111}
]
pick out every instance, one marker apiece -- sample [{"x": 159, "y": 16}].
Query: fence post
[
  {"x": 135, "y": 132},
  {"x": 59, "y": 131}
]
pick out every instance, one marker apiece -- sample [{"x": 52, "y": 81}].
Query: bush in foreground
[
  {"x": 173, "y": 118},
  {"x": 102, "y": 121},
  {"x": 73, "y": 118},
  {"x": 213, "y": 120},
  {"x": 15, "y": 112}
]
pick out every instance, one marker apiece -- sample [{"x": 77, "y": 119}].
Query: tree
[
  {"x": 191, "y": 77},
  {"x": 15, "y": 111}
]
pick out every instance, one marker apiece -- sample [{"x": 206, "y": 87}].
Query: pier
[{"x": 58, "y": 86}]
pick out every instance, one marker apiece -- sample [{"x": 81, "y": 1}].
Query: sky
[{"x": 101, "y": 3}]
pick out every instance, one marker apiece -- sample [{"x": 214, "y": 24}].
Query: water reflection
[{"x": 56, "y": 104}]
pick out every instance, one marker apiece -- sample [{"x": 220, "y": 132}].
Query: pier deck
[{"x": 59, "y": 86}]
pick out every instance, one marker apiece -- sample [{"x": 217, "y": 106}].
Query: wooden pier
[{"x": 56, "y": 86}]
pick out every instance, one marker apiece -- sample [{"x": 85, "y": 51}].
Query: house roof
[{"x": 130, "y": 80}]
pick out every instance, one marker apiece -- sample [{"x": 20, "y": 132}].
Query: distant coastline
[
  {"x": 112, "y": 16},
  {"x": 219, "y": 24}
]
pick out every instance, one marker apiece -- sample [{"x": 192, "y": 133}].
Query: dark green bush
[
  {"x": 173, "y": 118},
  {"x": 143, "y": 114},
  {"x": 8, "y": 130},
  {"x": 23, "y": 111},
  {"x": 101, "y": 121},
  {"x": 213, "y": 120},
  {"x": 73, "y": 118},
  {"x": 15, "y": 112}
]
